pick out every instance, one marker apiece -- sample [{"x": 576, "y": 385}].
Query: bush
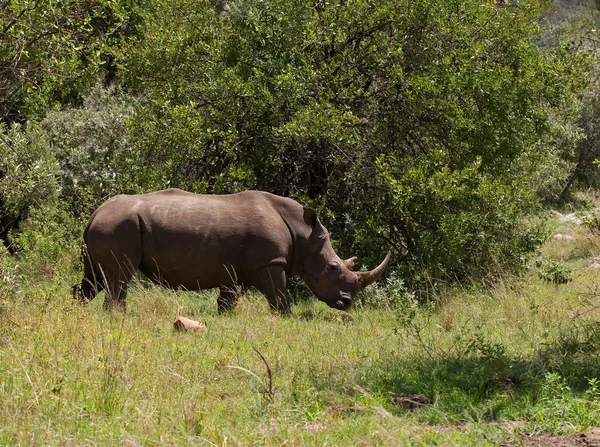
[
  {"x": 28, "y": 169},
  {"x": 559, "y": 409},
  {"x": 29, "y": 190},
  {"x": 49, "y": 242},
  {"x": 554, "y": 272},
  {"x": 88, "y": 142},
  {"x": 9, "y": 277}
]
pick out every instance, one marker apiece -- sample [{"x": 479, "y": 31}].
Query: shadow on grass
[{"x": 490, "y": 385}]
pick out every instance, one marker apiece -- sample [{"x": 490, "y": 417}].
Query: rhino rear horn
[{"x": 368, "y": 278}]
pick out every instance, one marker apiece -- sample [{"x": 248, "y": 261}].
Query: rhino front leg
[{"x": 271, "y": 282}]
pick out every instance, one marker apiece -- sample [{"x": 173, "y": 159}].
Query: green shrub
[
  {"x": 9, "y": 277},
  {"x": 49, "y": 242},
  {"x": 560, "y": 410},
  {"x": 87, "y": 143},
  {"x": 28, "y": 169},
  {"x": 50, "y": 55},
  {"x": 554, "y": 272},
  {"x": 29, "y": 188}
]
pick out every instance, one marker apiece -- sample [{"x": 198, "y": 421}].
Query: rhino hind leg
[
  {"x": 90, "y": 287},
  {"x": 86, "y": 292},
  {"x": 271, "y": 281},
  {"x": 117, "y": 283},
  {"x": 228, "y": 298},
  {"x": 91, "y": 284},
  {"x": 115, "y": 297}
]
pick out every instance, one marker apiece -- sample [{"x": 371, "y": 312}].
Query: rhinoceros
[{"x": 193, "y": 241}]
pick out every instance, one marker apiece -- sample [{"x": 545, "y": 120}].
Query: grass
[{"x": 520, "y": 358}]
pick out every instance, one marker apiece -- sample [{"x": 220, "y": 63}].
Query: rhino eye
[{"x": 334, "y": 266}]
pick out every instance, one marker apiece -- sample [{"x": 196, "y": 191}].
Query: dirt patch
[{"x": 589, "y": 439}]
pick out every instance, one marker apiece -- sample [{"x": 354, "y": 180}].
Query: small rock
[
  {"x": 594, "y": 263},
  {"x": 571, "y": 218},
  {"x": 185, "y": 324},
  {"x": 563, "y": 237}
]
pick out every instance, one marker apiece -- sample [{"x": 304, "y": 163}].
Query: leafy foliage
[
  {"x": 558, "y": 405},
  {"x": 554, "y": 272},
  {"x": 87, "y": 143},
  {"x": 428, "y": 126},
  {"x": 28, "y": 169},
  {"x": 49, "y": 242},
  {"x": 28, "y": 176},
  {"x": 47, "y": 54},
  {"x": 578, "y": 31}
]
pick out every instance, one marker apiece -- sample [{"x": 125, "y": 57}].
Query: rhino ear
[
  {"x": 350, "y": 262},
  {"x": 311, "y": 219}
]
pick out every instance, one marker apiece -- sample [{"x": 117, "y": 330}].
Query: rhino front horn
[{"x": 368, "y": 278}]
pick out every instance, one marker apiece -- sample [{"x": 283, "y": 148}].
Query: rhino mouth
[{"x": 343, "y": 303}]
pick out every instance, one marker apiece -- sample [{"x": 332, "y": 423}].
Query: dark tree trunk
[{"x": 580, "y": 167}]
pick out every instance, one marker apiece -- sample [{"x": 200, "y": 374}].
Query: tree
[
  {"x": 47, "y": 53},
  {"x": 421, "y": 125}
]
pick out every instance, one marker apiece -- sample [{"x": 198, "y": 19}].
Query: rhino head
[{"x": 329, "y": 277}]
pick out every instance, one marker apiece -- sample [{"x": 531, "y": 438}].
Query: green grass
[{"x": 523, "y": 357}]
